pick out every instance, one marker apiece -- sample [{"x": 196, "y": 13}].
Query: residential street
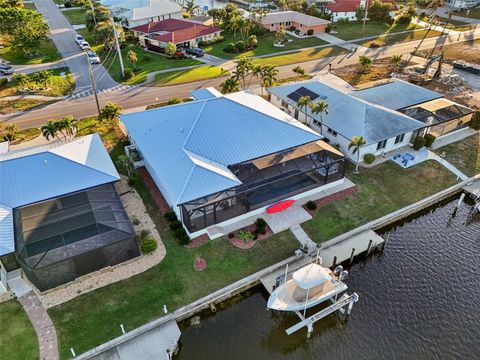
[
  {"x": 63, "y": 35},
  {"x": 141, "y": 96}
]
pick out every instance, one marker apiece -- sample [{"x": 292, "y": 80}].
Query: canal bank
[{"x": 254, "y": 279}]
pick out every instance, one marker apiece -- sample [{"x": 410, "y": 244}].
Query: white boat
[{"x": 309, "y": 286}]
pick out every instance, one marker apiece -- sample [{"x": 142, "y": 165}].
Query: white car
[
  {"x": 79, "y": 39},
  {"x": 93, "y": 57},
  {"x": 84, "y": 45}
]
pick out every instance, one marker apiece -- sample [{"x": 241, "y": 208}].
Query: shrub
[
  {"x": 374, "y": 44},
  {"x": 3, "y": 82},
  {"x": 135, "y": 221},
  {"x": 170, "y": 216},
  {"x": 147, "y": 58},
  {"x": 174, "y": 225},
  {"x": 246, "y": 236},
  {"x": 210, "y": 42},
  {"x": 128, "y": 74},
  {"x": 299, "y": 70},
  {"x": 429, "y": 140},
  {"x": 404, "y": 19},
  {"x": 240, "y": 45},
  {"x": 419, "y": 143},
  {"x": 230, "y": 48},
  {"x": 475, "y": 123},
  {"x": 148, "y": 245},
  {"x": 311, "y": 205},
  {"x": 231, "y": 235},
  {"x": 143, "y": 234},
  {"x": 182, "y": 236},
  {"x": 261, "y": 226},
  {"x": 369, "y": 158},
  {"x": 258, "y": 30},
  {"x": 328, "y": 29},
  {"x": 310, "y": 32}
]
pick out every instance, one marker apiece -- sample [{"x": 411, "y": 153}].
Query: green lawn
[
  {"x": 301, "y": 56},
  {"x": 23, "y": 135},
  {"x": 13, "y": 106},
  {"x": 464, "y": 154},
  {"x": 398, "y": 38},
  {"x": 354, "y": 30},
  {"x": 265, "y": 45},
  {"x": 45, "y": 53},
  {"x": 93, "y": 318},
  {"x": 18, "y": 339},
  {"x": 381, "y": 190},
  {"x": 472, "y": 13},
  {"x": 189, "y": 75},
  {"x": 75, "y": 17}
]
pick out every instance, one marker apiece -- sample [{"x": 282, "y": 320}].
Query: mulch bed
[
  {"x": 200, "y": 264},
  {"x": 198, "y": 241},
  {"x": 333, "y": 197},
  {"x": 156, "y": 194},
  {"x": 238, "y": 243}
]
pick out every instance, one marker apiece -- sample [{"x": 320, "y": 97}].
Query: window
[
  {"x": 284, "y": 104},
  {"x": 381, "y": 145},
  {"x": 333, "y": 132},
  {"x": 399, "y": 138}
]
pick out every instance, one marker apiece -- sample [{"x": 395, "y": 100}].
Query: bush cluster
[
  {"x": 374, "y": 44},
  {"x": 170, "y": 216},
  {"x": 210, "y": 42},
  {"x": 237, "y": 47},
  {"x": 311, "y": 205},
  {"x": 148, "y": 244},
  {"x": 177, "y": 228},
  {"x": 128, "y": 74},
  {"x": 261, "y": 226},
  {"x": 369, "y": 158},
  {"x": 429, "y": 140},
  {"x": 310, "y": 32},
  {"x": 419, "y": 143}
]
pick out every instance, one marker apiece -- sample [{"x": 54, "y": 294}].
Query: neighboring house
[
  {"x": 463, "y": 4},
  {"x": 224, "y": 158},
  {"x": 139, "y": 12},
  {"x": 182, "y": 33},
  {"x": 60, "y": 215},
  {"x": 347, "y": 9},
  {"x": 387, "y": 116},
  {"x": 293, "y": 19}
]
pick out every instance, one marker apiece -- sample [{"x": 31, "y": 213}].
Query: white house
[
  {"x": 387, "y": 116},
  {"x": 139, "y": 12},
  {"x": 347, "y": 9}
]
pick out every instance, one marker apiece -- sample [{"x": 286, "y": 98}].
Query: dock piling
[
  {"x": 352, "y": 255},
  {"x": 369, "y": 248},
  {"x": 349, "y": 309},
  {"x": 334, "y": 261}
]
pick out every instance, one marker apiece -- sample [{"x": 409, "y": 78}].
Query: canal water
[{"x": 419, "y": 299}]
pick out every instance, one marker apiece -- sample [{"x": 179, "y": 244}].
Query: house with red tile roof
[
  {"x": 347, "y": 9},
  {"x": 183, "y": 33}
]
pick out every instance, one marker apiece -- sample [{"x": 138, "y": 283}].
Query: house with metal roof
[
  {"x": 384, "y": 115},
  {"x": 60, "y": 215},
  {"x": 220, "y": 158}
]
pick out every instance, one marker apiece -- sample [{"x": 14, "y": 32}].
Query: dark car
[
  {"x": 195, "y": 51},
  {"x": 6, "y": 69}
]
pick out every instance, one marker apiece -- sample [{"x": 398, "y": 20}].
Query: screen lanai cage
[
  {"x": 266, "y": 180},
  {"x": 61, "y": 239}
]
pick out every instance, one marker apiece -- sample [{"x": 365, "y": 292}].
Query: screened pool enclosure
[
  {"x": 266, "y": 180},
  {"x": 61, "y": 239}
]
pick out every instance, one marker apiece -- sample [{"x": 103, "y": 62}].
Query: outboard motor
[
  {"x": 338, "y": 270},
  {"x": 344, "y": 275}
]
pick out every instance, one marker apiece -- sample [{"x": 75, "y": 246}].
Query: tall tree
[
  {"x": 50, "y": 130},
  {"x": 303, "y": 103},
  {"x": 356, "y": 144},
  {"x": 133, "y": 57},
  {"x": 243, "y": 70},
  {"x": 433, "y": 5},
  {"x": 230, "y": 85},
  {"x": 269, "y": 76},
  {"x": 319, "y": 107},
  {"x": 67, "y": 126},
  {"x": 110, "y": 112},
  {"x": 191, "y": 7}
]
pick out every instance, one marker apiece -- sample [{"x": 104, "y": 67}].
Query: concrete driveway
[{"x": 63, "y": 34}]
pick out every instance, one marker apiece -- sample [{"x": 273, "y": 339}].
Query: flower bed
[
  {"x": 200, "y": 264},
  {"x": 236, "y": 241}
]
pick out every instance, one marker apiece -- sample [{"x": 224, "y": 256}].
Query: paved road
[
  {"x": 63, "y": 35},
  {"x": 141, "y": 96}
]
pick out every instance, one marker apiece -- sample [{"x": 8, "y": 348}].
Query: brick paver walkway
[{"x": 46, "y": 334}]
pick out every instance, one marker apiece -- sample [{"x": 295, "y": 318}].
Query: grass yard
[
  {"x": 464, "y": 154},
  {"x": 472, "y": 13},
  {"x": 354, "y": 30},
  {"x": 57, "y": 85},
  {"x": 189, "y": 75},
  {"x": 265, "y": 45},
  {"x": 45, "y": 53},
  {"x": 301, "y": 56},
  {"x": 18, "y": 339},
  {"x": 23, "y": 135},
  {"x": 75, "y": 16},
  {"x": 13, "y": 106},
  {"x": 467, "y": 50},
  {"x": 398, "y": 38},
  {"x": 381, "y": 190},
  {"x": 94, "y": 318}
]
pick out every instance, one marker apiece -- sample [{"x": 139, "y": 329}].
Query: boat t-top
[{"x": 309, "y": 286}]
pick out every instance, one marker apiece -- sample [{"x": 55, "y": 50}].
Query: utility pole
[
  {"x": 93, "y": 13},
  {"x": 365, "y": 17},
  {"x": 94, "y": 85},
  {"x": 117, "y": 46}
]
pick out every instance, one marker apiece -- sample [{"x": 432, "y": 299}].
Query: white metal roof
[
  {"x": 188, "y": 147},
  {"x": 285, "y": 16}
]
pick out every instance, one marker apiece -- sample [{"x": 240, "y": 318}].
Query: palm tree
[
  {"x": 50, "y": 130},
  {"x": 67, "y": 126},
  {"x": 126, "y": 161},
  {"x": 298, "y": 70},
  {"x": 243, "y": 69},
  {"x": 304, "y": 102},
  {"x": 133, "y": 57},
  {"x": 319, "y": 107},
  {"x": 357, "y": 143},
  {"x": 234, "y": 24},
  {"x": 396, "y": 60},
  {"x": 110, "y": 112},
  {"x": 269, "y": 76},
  {"x": 190, "y": 7},
  {"x": 365, "y": 62},
  {"x": 230, "y": 85}
]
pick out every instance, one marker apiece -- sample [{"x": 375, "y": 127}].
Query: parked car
[
  {"x": 93, "y": 57},
  {"x": 195, "y": 51},
  {"x": 6, "y": 68},
  {"x": 79, "y": 39},
  {"x": 84, "y": 45}
]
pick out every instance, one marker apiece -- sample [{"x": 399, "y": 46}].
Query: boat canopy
[{"x": 311, "y": 275}]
